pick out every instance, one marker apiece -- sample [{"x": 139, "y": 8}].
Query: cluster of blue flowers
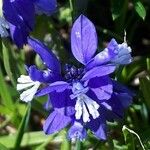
[{"x": 81, "y": 98}]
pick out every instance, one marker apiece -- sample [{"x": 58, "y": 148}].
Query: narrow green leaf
[
  {"x": 22, "y": 127},
  {"x": 7, "y": 62},
  {"x": 145, "y": 88},
  {"x": 128, "y": 135},
  {"x": 139, "y": 8},
  {"x": 78, "y": 145},
  {"x": 5, "y": 95}
]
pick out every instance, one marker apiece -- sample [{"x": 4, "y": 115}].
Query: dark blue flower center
[{"x": 72, "y": 73}]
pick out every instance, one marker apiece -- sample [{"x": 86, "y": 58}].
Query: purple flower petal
[
  {"x": 45, "y": 6},
  {"x": 46, "y": 76},
  {"x": 46, "y": 55},
  {"x": 105, "y": 56},
  {"x": 125, "y": 99},
  {"x": 98, "y": 127},
  {"x": 114, "y": 108},
  {"x": 67, "y": 111},
  {"x": 59, "y": 100},
  {"x": 102, "y": 87},
  {"x": 123, "y": 55},
  {"x": 119, "y": 88},
  {"x": 25, "y": 9},
  {"x": 58, "y": 86},
  {"x": 83, "y": 39},
  {"x": 99, "y": 72},
  {"x": 77, "y": 131},
  {"x": 18, "y": 34},
  {"x": 55, "y": 122}
]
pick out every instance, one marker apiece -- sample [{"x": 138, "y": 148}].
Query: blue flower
[
  {"x": 84, "y": 97},
  {"x": 20, "y": 15}
]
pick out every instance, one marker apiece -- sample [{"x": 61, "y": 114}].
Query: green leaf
[
  {"x": 139, "y": 8},
  {"x": 5, "y": 95},
  {"x": 22, "y": 127},
  {"x": 145, "y": 88},
  {"x": 7, "y": 59}
]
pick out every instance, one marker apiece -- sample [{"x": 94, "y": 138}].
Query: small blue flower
[{"x": 84, "y": 97}]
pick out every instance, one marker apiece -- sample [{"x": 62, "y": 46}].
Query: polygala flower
[
  {"x": 82, "y": 97},
  {"x": 20, "y": 15}
]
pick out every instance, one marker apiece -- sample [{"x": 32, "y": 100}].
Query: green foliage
[{"x": 140, "y": 9}]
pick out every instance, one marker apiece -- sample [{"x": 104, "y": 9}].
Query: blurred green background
[{"x": 21, "y": 124}]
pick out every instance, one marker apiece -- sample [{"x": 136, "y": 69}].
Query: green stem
[
  {"x": 71, "y": 8},
  {"x": 78, "y": 145},
  {"x": 148, "y": 63},
  {"x": 22, "y": 127}
]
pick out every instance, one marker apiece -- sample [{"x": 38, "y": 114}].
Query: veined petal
[
  {"x": 28, "y": 95},
  {"x": 102, "y": 87},
  {"x": 30, "y": 88},
  {"x": 99, "y": 72},
  {"x": 46, "y": 55},
  {"x": 58, "y": 86},
  {"x": 55, "y": 122},
  {"x": 83, "y": 39}
]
